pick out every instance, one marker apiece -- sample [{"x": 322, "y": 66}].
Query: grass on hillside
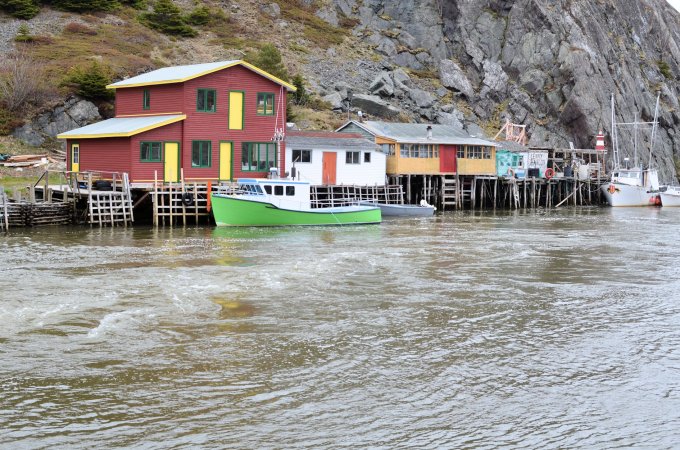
[
  {"x": 315, "y": 29},
  {"x": 125, "y": 48}
]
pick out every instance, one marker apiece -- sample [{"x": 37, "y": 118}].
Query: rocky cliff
[{"x": 549, "y": 64}]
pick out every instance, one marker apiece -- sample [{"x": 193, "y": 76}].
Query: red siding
[
  {"x": 165, "y": 98},
  {"x": 103, "y": 154},
  {"x": 144, "y": 171},
  {"x": 447, "y": 158},
  {"x": 213, "y": 126}
]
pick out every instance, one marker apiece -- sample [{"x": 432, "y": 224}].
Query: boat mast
[
  {"x": 636, "y": 163},
  {"x": 655, "y": 126},
  {"x": 615, "y": 140}
]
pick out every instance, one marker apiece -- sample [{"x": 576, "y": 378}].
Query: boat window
[
  {"x": 290, "y": 190},
  {"x": 268, "y": 189},
  {"x": 258, "y": 189},
  {"x": 278, "y": 190}
]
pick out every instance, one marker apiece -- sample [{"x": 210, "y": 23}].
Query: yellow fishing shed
[{"x": 425, "y": 149}]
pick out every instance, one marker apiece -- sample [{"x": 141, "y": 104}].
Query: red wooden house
[{"x": 214, "y": 121}]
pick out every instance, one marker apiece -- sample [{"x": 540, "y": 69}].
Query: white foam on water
[{"x": 118, "y": 321}]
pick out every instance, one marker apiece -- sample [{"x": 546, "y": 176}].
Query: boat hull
[
  {"x": 618, "y": 194},
  {"x": 670, "y": 199},
  {"x": 402, "y": 210},
  {"x": 236, "y": 212}
]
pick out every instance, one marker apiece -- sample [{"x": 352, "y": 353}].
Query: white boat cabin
[
  {"x": 637, "y": 177},
  {"x": 334, "y": 158},
  {"x": 282, "y": 193}
]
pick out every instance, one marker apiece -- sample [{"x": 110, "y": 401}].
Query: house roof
[
  {"x": 329, "y": 140},
  {"x": 416, "y": 133},
  {"x": 512, "y": 146},
  {"x": 180, "y": 74},
  {"x": 121, "y": 127}
]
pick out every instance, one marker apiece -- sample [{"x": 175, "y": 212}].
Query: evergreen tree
[
  {"x": 24, "y": 34},
  {"x": 84, "y": 5},
  {"x": 199, "y": 16},
  {"x": 90, "y": 82},
  {"x": 166, "y": 17},
  {"x": 301, "y": 96},
  {"x": 22, "y": 9},
  {"x": 269, "y": 60}
]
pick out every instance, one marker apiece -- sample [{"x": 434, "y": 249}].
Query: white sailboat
[{"x": 637, "y": 185}]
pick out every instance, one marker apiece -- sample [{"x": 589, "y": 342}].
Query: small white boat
[
  {"x": 397, "y": 210},
  {"x": 670, "y": 195},
  {"x": 636, "y": 186}
]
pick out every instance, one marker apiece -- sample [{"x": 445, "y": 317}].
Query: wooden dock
[{"x": 459, "y": 192}]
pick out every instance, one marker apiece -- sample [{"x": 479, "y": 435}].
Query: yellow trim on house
[
  {"x": 127, "y": 134},
  {"x": 383, "y": 140},
  {"x": 151, "y": 114},
  {"x": 288, "y": 86}
]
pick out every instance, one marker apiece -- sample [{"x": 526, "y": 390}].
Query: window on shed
[
  {"x": 201, "y": 153},
  {"x": 265, "y": 104},
  {"x": 460, "y": 152},
  {"x": 367, "y": 157},
  {"x": 150, "y": 152},
  {"x": 302, "y": 156},
  {"x": 352, "y": 157},
  {"x": 474, "y": 152},
  {"x": 388, "y": 149},
  {"x": 486, "y": 152},
  {"x": 206, "y": 100},
  {"x": 146, "y": 99}
]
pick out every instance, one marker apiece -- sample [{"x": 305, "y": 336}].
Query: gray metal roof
[
  {"x": 416, "y": 133},
  {"x": 179, "y": 74},
  {"x": 121, "y": 126},
  {"x": 512, "y": 146},
  {"x": 328, "y": 141}
]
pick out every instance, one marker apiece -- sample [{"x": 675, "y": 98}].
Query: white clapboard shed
[{"x": 330, "y": 158}]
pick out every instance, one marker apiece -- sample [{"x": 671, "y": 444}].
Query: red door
[
  {"x": 330, "y": 160},
  {"x": 447, "y": 158}
]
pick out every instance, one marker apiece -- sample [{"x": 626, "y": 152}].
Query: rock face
[
  {"x": 72, "y": 114},
  {"x": 549, "y": 64}
]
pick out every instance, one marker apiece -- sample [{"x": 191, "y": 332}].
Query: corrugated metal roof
[
  {"x": 328, "y": 140},
  {"x": 179, "y": 74},
  {"x": 121, "y": 126},
  {"x": 416, "y": 133},
  {"x": 512, "y": 146}
]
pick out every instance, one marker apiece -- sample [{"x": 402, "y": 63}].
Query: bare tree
[{"x": 20, "y": 80}]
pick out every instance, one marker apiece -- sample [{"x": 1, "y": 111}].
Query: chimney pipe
[{"x": 429, "y": 131}]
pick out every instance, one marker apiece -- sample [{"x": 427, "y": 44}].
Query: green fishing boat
[{"x": 271, "y": 203}]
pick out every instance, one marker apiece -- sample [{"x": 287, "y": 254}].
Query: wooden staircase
[
  {"x": 112, "y": 207},
  {"x": 450, "y": 193}
]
